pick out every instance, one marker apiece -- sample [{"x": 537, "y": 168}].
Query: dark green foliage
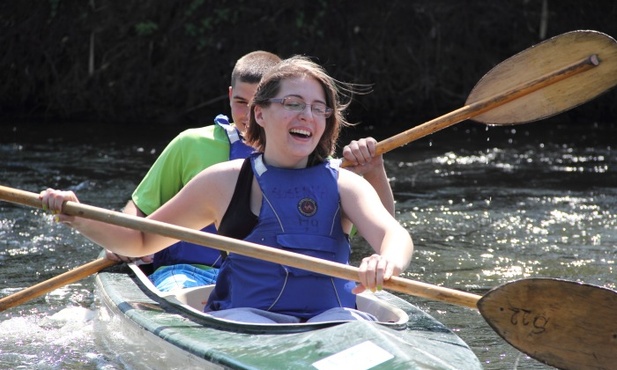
[{"x": 170, "y": 61}]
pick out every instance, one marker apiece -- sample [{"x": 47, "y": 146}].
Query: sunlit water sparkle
[{"x": 484, "y": 207}]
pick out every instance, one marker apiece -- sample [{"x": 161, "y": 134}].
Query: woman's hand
[
  {"x": 373, "y": 271},
  {"x": 122, "y": 240},
  {"x": 53, "y": 201},
  {"x": 361, "y": 153}
]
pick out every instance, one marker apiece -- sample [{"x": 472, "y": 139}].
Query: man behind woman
[
  {"x": 287, "y": 195},
  {"x": 183, "y": 264}
]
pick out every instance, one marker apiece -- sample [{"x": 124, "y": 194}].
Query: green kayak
[{"x": 154, "y": 330}]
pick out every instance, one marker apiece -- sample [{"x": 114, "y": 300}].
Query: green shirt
[{"x": 189, "y": 153}]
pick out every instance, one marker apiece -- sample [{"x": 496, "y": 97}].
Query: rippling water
[{"x": 485, "y": 206}]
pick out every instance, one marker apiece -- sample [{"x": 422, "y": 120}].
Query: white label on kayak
[{"x": 362, "y": 356}]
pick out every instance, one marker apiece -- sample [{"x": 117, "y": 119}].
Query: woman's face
[{"x": 292, "y": 135}]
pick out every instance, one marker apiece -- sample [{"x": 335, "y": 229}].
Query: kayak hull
[{"x": 148, "y": 330}]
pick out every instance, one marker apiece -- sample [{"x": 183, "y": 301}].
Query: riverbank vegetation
[{"x": 161, "y": 62}]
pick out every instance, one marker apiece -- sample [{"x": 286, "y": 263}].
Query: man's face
[{"x": 239, "y": 99}]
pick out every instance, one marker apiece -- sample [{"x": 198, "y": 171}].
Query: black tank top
[{"x": 239, "y": 220}]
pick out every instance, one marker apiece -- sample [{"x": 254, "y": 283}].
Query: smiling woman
[
  {"x": 294, "y": 87},
  {"x": 303, "y": 129},
  {"x": 298, "y": 199},
  {"x": 486, "y": 206}
]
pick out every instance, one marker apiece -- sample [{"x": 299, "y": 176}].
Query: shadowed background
[{"x": 169, "y": 62}]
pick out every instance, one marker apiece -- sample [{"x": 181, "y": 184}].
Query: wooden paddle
[
  {"x": 564, "y": 324},
  {"x": 542, "y": 81},
  {"x": 539, "y": 82},
  {"x": 54, "y": 283},
  {"x": 558, "y": 74}
]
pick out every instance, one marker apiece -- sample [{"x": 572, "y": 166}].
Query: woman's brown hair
[{"x": 269, "y": 87}]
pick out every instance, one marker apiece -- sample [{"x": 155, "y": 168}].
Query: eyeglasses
[{"x": 295, "y": 104}]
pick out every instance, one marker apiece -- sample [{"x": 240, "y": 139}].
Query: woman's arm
[
  {"x": 201, "y": 202},
  {"x": 392, "y": 243}
]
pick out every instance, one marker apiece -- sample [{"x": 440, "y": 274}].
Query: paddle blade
[
  {"x": 545, "y": 58},
  {"x": 562, "y": 323}
]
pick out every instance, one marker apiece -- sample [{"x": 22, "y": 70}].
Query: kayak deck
[{"x": 170, "y": 329}]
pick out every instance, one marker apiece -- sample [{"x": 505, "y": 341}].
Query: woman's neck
[{"x": 290, "y": 162}]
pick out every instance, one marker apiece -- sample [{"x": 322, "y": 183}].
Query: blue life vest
[
  {"x": 185, "y": 252},
  {"x": 237, "y": 148},
  {"x": 300, "y": 212}
]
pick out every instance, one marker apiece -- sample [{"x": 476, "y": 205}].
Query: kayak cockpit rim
[{"x": 194, "y": 299}]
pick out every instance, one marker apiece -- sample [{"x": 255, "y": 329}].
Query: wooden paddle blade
[
  {"x": 562, "y": 323},
  {"x": 549, "y": 57}
]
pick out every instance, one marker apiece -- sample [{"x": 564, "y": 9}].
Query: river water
[{"x": 484, "y": 205}]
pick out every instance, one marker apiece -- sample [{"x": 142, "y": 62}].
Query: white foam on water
[{"x": 63, "y": 339}]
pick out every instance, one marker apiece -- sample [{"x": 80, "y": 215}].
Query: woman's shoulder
[
  {"x": 230, "y": 165},
  {"x": 348, "y": 175},
  {"x": 348, "y": 180}
]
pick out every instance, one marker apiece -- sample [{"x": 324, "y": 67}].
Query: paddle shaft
[
  {"x": 484, "y": 105},
  {"x": 570, "y": 333},
  {"x": 512, "y": 313},
  {"x": 258, "y": 251},
  {"x": 56, "y": 282}
]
